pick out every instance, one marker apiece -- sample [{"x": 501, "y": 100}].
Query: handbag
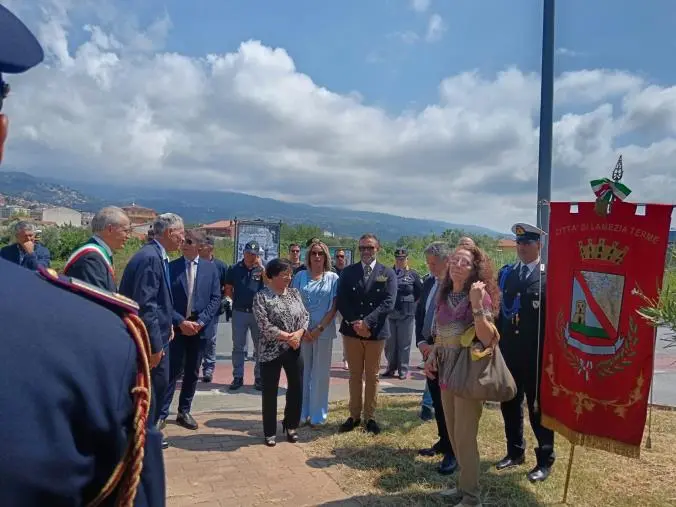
[{"x": 480, "y": 373}]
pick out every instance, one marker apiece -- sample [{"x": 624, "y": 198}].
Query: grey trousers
[{"x": 398, "y": 345}]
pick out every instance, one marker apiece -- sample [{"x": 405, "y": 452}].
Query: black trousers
[
  {"x": 525, "y": 377},
  {"x": 185, "y": 356},
  {"x": 292, "y": 362},
  {"x": 444, "y": 441}
]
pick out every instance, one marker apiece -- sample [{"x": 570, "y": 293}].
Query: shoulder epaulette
[{"x": 116, "y": 302}]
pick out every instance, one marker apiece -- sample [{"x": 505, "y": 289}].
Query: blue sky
[
  {"x": 352, "y": 45},
  {"x": 347, "y": 103}
]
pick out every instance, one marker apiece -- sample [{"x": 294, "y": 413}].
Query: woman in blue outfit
[{"x": 318, "y": 286}]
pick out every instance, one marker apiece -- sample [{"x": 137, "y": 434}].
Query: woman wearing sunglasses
[{"x": 318, "y": 285}]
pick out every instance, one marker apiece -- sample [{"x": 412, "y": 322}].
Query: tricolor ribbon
[{"x": 607, "y": 190}]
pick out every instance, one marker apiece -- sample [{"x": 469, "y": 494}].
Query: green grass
[{"x": 386, "y": 470}]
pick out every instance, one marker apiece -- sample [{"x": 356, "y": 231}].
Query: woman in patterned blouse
[
  {"x": 282, "y": 320},
  {"x": 468, "y": 296}
]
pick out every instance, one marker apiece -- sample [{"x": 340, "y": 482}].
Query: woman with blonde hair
[
  {"x": 318, "y": 286},
  {"x": 468, "y": 299}
]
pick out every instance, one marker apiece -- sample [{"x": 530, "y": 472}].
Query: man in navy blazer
[
  {"x": 197, "y": 299},
  {"x": 366, "y": 295},
  {"x": 93, "y": 261},
  {"x": 26, "y": 251},
  {"x": 146, "y": 281}
]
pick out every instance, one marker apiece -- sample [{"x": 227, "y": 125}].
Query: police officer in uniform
[
  {"x": 402, "y": 318},
  {"x": 242, "y": 282},
  {"x": 64, "y": 430},
  {"x": 521, "y": 325}
]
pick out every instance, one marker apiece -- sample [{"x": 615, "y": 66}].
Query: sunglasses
[
  {"x": 366, "y": 248},
  {"x": 317, "y": 254},
  {"x": 340, "y": 256}
]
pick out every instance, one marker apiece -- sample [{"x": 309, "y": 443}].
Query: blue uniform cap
[
  {"x": 526, "y": 233},
  {"x": 19, "y": 49},
  {"x": 252, "y": 247},
  {"x": 401, "y": 252}
]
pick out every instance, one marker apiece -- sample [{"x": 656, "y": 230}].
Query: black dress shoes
[
  {"x": 237, "y": 382},
  {"x": 448, "y": 465},
  {"x": 165, "y": 444},
  {"x": 349, "y": 425},
  {"x": 539, "y": 474},
  {"x": 432, "y": 451},
  {"x": 372, "y": 427},
  {"x": 509, "y": 462},
  {"x": 186, "y": 420}
]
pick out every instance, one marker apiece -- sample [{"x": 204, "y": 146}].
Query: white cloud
[
  {"x": 420, "y": 5},
  {"x": 435, "y": 28},
  {"x": 116, "y": 108}
]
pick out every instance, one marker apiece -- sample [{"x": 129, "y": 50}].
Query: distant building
[
  {"x": 506, "y": 245},
  {"x": 139, "y": 215},
  {"x": 2, "y": 200},
  {"x": 220, "y": 229},
  {"x": 87, "y": 218},
  {"x": 140, "y": 231},
  {"x": 13, "y": 211},
  {"x": 62, "y": 216},
  {"x": 329, "y": 234}
]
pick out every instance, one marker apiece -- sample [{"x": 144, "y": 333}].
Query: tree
[{"x": 661, "y": 312}]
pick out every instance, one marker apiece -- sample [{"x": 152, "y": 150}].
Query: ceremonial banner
[{"x": 598, "y": 352}]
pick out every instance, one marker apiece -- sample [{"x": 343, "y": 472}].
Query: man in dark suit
[
  {"x": 146, "y": 281},
  {"x": 366, "y": 295},
  {"x": 82, "y": 396},
  {"x": 436, "y": 255},
  {"x": 521, "y": 324},
  {"x": 209, "y": 344},
  {"x": 197, "y": 298},
  {"x": 25, "y": 251},
  {"x": 93, "y": 261}
]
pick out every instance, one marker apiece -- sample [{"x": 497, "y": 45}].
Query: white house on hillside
[{"x": 62, "y": 216}]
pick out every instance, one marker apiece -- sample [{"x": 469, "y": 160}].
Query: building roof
[
  {"x": 221, "y": 224},
  {"x": 506, "y": 243},
  {"x": 137, "y": 209}
]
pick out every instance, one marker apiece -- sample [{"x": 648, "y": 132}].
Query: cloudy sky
[{"x": 422, "y": 108}]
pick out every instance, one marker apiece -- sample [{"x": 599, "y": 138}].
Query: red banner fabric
[{"x": 598, "y": 352}]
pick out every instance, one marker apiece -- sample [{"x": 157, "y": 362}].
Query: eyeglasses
[{"x": 460, "y": 261}]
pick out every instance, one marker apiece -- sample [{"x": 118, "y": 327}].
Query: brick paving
[{"x": 226, "y": 463}]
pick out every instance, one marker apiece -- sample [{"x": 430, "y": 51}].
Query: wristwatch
[{"x": 480, "y": 312}]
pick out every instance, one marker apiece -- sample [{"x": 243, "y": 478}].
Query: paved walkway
[{"x": 225, "y": 463}]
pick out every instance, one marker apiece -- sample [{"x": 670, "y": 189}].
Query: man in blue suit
[
  {"x": 82, "y": 397},
  {"x": 146, "y": 281},
  {"x": 25, "y": 251},
  {"x": 197, "y": 299},
  {"x": 209, "y": 344},
  {"x": 366, "y": 296},
  {"x": 93, "y": 261}
]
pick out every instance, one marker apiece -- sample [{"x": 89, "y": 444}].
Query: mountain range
[{"x": 208, "y": 206}]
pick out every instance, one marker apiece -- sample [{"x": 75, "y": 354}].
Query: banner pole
[
  {"x": 649, "y": 441},
  {"x": 570, "y": 467}
]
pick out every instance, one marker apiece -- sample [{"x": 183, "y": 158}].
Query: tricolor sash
[{"x": 89, "y": 248}]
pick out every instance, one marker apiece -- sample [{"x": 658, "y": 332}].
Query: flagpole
[{"x": 546, "y": 119}]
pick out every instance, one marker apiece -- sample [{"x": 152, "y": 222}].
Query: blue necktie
[
  {"x": 524, "y": 272},
  {"x": 165, "y": 263}
]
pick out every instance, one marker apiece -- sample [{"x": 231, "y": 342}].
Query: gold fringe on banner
[{"x": 600, "y": 443}]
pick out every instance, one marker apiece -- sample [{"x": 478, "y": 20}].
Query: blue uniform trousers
[
  {"x": 316, "y": 375},
  {"x": 398, "y": 345},
  {"x": 241, "y": 323},
  {"x": 209, "y": 352}
]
